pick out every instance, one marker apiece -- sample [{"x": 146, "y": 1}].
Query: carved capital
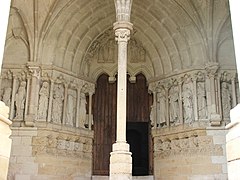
[
  {"x": 122, "y": 35},
  {"x": 152, "y": 87},
  {"x": 34, "y": 71},
  {"x": 212, "y": 69},
  {"x": 232, "y": 76}
]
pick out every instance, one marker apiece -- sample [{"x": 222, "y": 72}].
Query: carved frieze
[
  {"x": 186, "y": 145},
  {"x": 62, "y": 144}
]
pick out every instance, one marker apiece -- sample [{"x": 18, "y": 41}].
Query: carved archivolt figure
[
  {"x": 71, "y": 108},
  {"x": 202, "y": 102},
  {"x": 188, "y": 104},
  {"x": 6, "y": 98},
  {"x": 161, "y": 107},
  {"x": 20, "y": 100},
  {"x": 82, "y": 110},
  {"x": 174, "y": 104},
  {"x": 226, "y": 100},
  {"x": 43, "y": 101},
  {"x": 57, "y": 109}
]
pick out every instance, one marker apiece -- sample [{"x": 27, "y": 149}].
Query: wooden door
[{"x": 104, "y": 114}]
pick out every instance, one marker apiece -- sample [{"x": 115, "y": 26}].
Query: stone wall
[
  {"x": 232, "y": 144},
  {"x": 50, "y": 152},
  {"x": 190, "y": 153},
  {"x": 5, "y": 145}
]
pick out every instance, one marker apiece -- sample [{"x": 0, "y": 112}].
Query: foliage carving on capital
[
  {"x": 212, "y": 69},
  {"x": 60, "y": 79},
  {"x": 34, "y": 71},
  {"x": 122, "y": 35},
  {"x": 200, "y": 76},
  {"x": 7, "y": 75},
  {"x": 152, "y": 87}
]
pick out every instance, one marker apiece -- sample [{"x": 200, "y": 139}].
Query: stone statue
[
  {"x": 187, "y": 104},
  {"x": 161, "y": 107},
  {"x": 43, "y": 101},
  {"x": 20, "y": 100},
  {"x": 57, "y": 108},
  {"x": 202, "y": 102},
  {"x": 226, "y": 100},
  {"x": 6, "y": 98},
  {"x": 174, "y": 105},
  {"x": 71, "y": 108},
  {"x": 82, "y": 110}
]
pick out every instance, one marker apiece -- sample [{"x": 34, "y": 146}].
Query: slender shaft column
[
  {"x": 50, "y": 101},
  {"x": 195, "y": 99},
  {"x": 120, "y": 159},
  {"x": 122, "y": 38},
  {"x": 78, "y": 106},
  {"x": 27, "y": 96},
  {"x": 90, "y": 111},
  {"x": 167, "y": 106},
  {"x": 154, "y": 110},
  {"x": 14, "y": 89},
  {"x": 234, "y": 97},
  {"x": 215, "y": 117},
  {"x": 65, "y": 103},
  {"x": 32, "y": 100},
  {"x": 180, "y": 102}
]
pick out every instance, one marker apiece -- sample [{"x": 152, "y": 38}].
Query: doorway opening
[
  {"x": 137, "y": 137},
  {"x": 104, "y": 116}
]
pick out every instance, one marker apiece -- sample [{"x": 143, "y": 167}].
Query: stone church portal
[{"x": 119, "y": 89}]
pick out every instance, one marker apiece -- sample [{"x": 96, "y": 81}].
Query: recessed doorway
[{"x": 104, "y": 116}]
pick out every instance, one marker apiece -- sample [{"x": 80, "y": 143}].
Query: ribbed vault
[{"x": 174, "y": 33}]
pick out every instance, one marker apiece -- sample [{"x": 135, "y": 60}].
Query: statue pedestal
[{"x": 120, "y": 162}]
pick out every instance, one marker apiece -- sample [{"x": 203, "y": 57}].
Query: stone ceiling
[{"x": 177, "y": 34}]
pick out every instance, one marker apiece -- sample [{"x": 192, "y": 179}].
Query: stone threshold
[{"x": 134, "y": 178}]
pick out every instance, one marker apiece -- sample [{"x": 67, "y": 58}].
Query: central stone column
[{"x": 120, "y": 157}]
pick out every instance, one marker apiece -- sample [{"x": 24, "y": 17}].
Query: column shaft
[{"x": 90, "y": 112}]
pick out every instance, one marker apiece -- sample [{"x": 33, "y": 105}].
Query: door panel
[{"x": 104, "y": 114}]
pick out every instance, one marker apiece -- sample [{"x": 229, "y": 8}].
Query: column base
[{"x": 120, "y": 162}]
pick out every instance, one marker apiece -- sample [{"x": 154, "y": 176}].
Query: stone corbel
[
  {"x": 132, "y": 79},
  {"x": 111, "y": 79}
]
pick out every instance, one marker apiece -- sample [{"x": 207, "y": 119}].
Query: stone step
[{"x": 134, "y": 178}]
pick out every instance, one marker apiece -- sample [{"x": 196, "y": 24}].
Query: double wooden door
[{"x": 104, "y": 114}]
